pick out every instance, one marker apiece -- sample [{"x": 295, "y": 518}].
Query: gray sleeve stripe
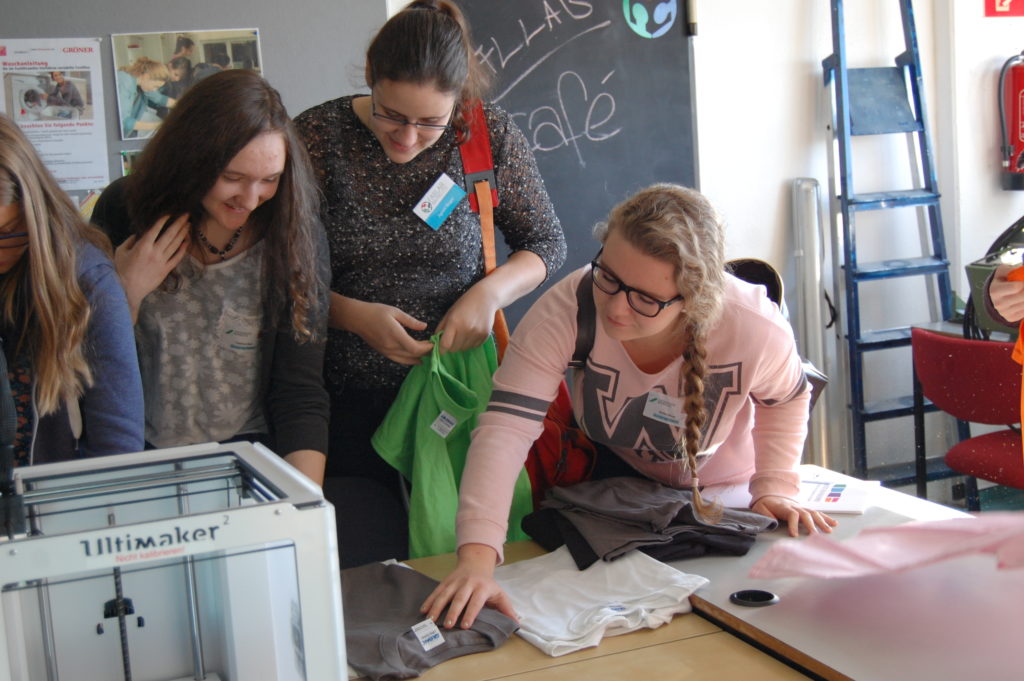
[
  {"x": 519, "y": 400},
  {"x": 797, "y": 391},
  {"x": 528, "y": 415}
]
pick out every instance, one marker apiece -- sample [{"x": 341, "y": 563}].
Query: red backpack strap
[
  {"x": 477, "y": 160},
  {"x": 482, "y": 187}
]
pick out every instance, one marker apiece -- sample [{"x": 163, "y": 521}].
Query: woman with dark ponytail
[
  {"x": 672, "y": 326},
  {"x": 396, "y": 281}
]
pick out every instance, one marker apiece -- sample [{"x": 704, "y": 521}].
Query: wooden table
[
  {"x": 958, "y": 619},
  {"x": 689, "y": 647}
]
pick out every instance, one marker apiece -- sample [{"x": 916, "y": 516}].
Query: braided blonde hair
[{"x": 678, "y": 225}]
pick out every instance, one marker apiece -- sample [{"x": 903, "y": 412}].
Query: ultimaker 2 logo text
[{"x": 126, "y": 543}]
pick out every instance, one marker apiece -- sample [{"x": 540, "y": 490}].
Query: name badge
[
  {"x": 664, "y": 408},
  {"x": 439, "y": 201}
]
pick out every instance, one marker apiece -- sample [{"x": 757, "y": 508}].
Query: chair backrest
[
  {"x": 758, "y": 271},
  {"x": 972, "y": 380}
]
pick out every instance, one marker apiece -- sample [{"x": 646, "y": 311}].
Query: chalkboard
[{"x": 603, "y": 91}]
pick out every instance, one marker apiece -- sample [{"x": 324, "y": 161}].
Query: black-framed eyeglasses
[
  {"x": 406, "y": 121},
  {"x": 16, "y": 240},
  {"x": 643, "y": 303}
]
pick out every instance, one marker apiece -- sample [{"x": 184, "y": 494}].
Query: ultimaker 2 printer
[{"x": 214, "y": 562}]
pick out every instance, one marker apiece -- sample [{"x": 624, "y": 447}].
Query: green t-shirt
[{"x": 426, "y": 434}]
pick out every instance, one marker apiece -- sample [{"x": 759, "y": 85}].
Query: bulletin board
[{"x": 312, "y": 51}]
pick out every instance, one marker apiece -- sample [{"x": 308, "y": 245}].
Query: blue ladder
[{"x": 882, "y": 101}]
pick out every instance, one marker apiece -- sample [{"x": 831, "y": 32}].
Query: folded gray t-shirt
[{"x": 382, "y": 603}]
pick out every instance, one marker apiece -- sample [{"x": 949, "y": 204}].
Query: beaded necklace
[{"x": 222, "y": 252}]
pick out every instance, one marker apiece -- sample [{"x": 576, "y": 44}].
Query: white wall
[
  {"x": 761, "y": 117},
  {"x": 979, "y": 45}
]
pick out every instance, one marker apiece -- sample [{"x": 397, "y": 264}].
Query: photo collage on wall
[
  {"x": 53, "y": 89},
  {"x": 153, "y": 70}
]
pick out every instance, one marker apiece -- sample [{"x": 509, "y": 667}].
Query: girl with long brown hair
[
  {"x": 64, "y": 321},
  {"x": 672, "y": 327},
  {"x": 224, "y": 263}
]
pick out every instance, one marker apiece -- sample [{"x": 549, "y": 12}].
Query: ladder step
[
  {"x": 893, "y": 407},
  {"x": 878, "y": 102},
  {"x": 893, "y": 199},
  {"x": 900, "y": 474},
  {"x": 903, "y": 267},
  {"x": 883, "y": 339}
]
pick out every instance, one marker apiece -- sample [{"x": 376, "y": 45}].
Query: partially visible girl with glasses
[
  {"x": 693, "y": 380},
  {"x": 395, "y": 280},
  {"x": 64, "y": 321}
]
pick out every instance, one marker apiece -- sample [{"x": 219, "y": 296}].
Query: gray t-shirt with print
[{"x": 199, "y": 353}]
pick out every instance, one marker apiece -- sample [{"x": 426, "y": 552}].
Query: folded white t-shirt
[{"x": 562, "y": 609}]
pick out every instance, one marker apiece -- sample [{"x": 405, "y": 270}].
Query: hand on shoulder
[{"x": 143, "y": 262}]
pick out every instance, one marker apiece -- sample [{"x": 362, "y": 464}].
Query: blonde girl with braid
[{"x": 693, "y": 380}]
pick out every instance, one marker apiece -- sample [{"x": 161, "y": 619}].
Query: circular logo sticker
[{"x": 639, "y": 18}]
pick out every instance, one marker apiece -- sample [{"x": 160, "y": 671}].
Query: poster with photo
[
  {"x": 153, "y": 70},
  {"x": 53, "y": 90}
]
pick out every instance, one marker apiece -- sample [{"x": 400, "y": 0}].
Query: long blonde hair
[
  {"x": 41, "y": 295},
  {"x": 679, "y": 226}
]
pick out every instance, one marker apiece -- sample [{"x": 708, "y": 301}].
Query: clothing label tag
[
  {"x": 428, "y": 634},
  {"x": 444, "y": 424},
  {"x": 439, "y": 201},
  {"x": 664, "y": 408}
]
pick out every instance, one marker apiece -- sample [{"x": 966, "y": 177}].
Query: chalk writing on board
[
  {"x": 549, "y": 127},
  {"x": 573, "y": 110}
]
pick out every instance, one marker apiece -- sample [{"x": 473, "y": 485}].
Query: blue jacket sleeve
[{"x": 112, "y": 408}]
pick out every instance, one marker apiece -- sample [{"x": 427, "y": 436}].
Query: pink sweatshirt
[{"x": 755, "y": 393}]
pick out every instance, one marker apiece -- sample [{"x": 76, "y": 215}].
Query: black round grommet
[{"x": 753, "y": 598}]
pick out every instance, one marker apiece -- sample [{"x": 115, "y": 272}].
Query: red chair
[{"x": 975, "y": 381}]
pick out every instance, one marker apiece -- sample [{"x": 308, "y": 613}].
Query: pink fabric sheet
[{"x": 897, "y": 548}]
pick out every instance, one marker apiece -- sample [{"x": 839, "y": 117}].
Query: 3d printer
[{"x": 213, "y": 562}]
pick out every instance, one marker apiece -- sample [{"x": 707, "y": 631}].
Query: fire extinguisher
[{"x": 1011, "y": 118}]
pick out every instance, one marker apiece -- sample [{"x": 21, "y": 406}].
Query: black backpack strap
[{"x": 586, "y": 318}]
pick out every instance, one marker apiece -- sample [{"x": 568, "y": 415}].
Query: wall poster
[
  {"x": 153, "y": 70},
  {"x": 53, "y": 90}
]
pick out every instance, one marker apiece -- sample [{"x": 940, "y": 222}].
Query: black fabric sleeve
[{"x": 297, "y": 406}]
